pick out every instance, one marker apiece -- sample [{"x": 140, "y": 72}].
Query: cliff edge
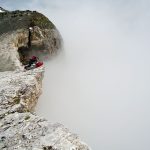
[{"x": 20, "y": 127}]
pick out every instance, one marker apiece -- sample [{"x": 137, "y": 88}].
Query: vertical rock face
[{"x": 20, "y": 127}]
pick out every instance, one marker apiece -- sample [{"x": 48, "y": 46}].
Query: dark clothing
[{"x": 31, "y": 62}]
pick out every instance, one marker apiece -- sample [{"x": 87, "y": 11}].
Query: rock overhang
[{"x": 44, "y": 40}]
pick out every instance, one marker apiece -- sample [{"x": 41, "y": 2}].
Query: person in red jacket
[{"x": 32, "y": 61}]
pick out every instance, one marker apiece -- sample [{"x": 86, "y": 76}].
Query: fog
[{"x": 99, "y": 85}]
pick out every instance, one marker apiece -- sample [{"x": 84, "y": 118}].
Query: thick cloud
[{"x": 99, "y": 85}]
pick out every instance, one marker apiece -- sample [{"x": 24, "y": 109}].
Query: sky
[{"x": 99, "y": 85}]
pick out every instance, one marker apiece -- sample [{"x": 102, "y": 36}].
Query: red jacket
[{"x": 38, "y": 64}]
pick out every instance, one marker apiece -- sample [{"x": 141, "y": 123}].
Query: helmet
[
  {"x": 34, "y": 57},
  {"x": 30, "y": 28}
]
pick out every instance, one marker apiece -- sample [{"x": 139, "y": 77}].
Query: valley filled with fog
[{"x": 99, "y": 85}]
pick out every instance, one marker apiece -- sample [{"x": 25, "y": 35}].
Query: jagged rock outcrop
[
  {"x": 20, "y": 127},
  {"x": 21, "y": 43}
]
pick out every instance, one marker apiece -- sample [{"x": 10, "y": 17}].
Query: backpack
[{"x": 38, "y": 64}]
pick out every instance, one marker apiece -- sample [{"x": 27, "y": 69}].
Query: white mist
[{"x": 99, "y": 85}]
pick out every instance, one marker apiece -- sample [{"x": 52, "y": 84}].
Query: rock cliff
[
  {"x": 20, "y": 127},
  {"x": 19, "y": 42}
]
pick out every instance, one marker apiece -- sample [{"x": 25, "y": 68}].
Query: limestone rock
[
  {"x": 20, "y": 127},
  {"x": 26, "y": 131},
  {"x": 19, "y": 91}
]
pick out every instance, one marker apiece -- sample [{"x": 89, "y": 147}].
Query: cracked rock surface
[{"x": 20, "y": 127}]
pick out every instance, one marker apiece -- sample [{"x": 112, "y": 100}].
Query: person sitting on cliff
[{"x": 32, "y": 63}]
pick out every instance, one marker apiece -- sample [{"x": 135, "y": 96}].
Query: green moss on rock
[
  {"x": 40, "y": 21},
  {"x": 11, "y": 21}
]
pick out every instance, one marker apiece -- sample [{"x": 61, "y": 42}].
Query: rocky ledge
[{"x": 20, "y": 127}]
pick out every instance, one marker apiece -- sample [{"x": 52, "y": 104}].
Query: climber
[{"x": 32, "y": 63}]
